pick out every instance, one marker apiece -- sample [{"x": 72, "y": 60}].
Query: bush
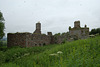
[{"x": 2, "y": 57}]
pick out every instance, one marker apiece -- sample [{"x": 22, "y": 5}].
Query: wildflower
[
  {"x": 18, "y": 58},
  {"x": 59, "y": 52},
  {"x": 15, "y": 54},
  {"x": 26, "y": 54},
  {"x": 53, "y": 54}
]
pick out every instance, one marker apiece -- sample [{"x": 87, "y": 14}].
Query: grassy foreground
[{"x": 80, "y": 53}]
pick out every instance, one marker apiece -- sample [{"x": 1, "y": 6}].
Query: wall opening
[
  {"x": 44, "y": 44},
  {"x": 35, "y": 44}
]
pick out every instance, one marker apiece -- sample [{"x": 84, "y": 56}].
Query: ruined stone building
[
  {"x": 78, "y": 32},
  {"x": 27, "y": 39},
  {"x": 30, "y": 39}
]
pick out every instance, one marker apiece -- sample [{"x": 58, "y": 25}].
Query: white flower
[
  {"x": 18, "y": 57},
  {"x": 53, "y": 54},
  {"x": 26, "y": 54},
  {"x": 59, "y": 52},
  {"x": 15, "y": 54}
]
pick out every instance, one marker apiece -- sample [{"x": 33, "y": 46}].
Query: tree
[
  {"x": 95, "y": 31},
  {"x": 57, "y": 34},
  {"x": 98, "y": 30},
  {"x": 2, "y": 27}
]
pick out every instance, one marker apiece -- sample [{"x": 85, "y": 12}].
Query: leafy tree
[
  {"x": 69, "y": 27},
  {"x": 2, "y": 27},
  {"x": 95, "y": 31},
  {"x": 63, "y": 33},
  {"x": 98, "y": 30},
  {"x": 57, "y": 34}
]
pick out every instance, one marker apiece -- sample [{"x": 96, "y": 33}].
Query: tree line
[{"x": 95, "y": 31}]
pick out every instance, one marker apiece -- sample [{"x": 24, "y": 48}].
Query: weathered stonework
[
  {"x": 37, "y": 39},
  {"x": 16, "y": 39},
  {"x": 78, "y": 32}
]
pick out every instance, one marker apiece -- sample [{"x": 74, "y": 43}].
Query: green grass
[{"x": 80, "y": 53}]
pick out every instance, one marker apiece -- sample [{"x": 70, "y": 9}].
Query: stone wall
[
  {"x": 76, "y": 33},
  {"x": 16, "y": 39},
  {"x": 38, "y": 40},
  {"x": 84, "y": 33},
  {"x": 28, "y": 39},
  {"x": 61, "y": 38}
]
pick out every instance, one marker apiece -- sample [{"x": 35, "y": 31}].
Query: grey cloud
[{"x": 54, "y": 15}]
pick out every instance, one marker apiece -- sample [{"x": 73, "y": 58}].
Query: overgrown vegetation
[
  {"x": 80, "y": 53},
  {"x": 3, "y": 45},
  {"x": 13, "y": 53}
]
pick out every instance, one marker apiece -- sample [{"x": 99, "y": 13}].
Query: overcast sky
[{"x": 55, "y": 15}]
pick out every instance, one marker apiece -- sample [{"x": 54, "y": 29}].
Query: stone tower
[
  {"x": 38, "y": 28},
  {"x": 77, "y": 24}
]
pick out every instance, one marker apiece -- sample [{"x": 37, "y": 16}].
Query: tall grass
[
  {"x": 11, "y": 54},
  {"x": 80, "y": 53},
  {"x": 3, "y": 45}
]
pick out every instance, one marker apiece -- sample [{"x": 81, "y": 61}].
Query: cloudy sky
[{"x": 55, "y": 15}]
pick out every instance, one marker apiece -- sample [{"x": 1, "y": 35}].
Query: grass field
[{"x": 80, "y": 53}]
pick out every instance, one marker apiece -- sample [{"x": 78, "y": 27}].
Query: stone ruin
[
  {"x": 27, "y": 39},
  {"x": 78, "y": 32}
]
